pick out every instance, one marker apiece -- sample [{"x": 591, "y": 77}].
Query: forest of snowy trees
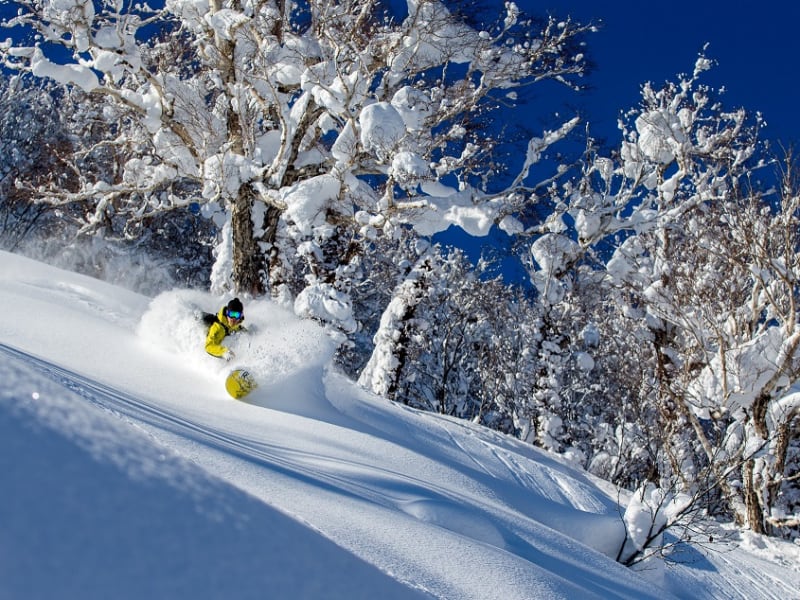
[{"x": 311, "y": 151}]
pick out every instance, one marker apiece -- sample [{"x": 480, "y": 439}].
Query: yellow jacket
[{"x": 217, "y": 332}]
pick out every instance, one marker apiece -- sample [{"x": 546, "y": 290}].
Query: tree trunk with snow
[
  {"x": 248, "y": 263},
  {"x": 754, "y": 511},
  {"x": 381, "y": 375}
]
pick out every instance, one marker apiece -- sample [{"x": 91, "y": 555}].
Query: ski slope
[{"x": 127, "y": 472}]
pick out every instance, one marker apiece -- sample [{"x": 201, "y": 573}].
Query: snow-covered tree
[
  {"x": 506, "y": 359},
  {"x": 391, "y": 343},
  {"x": 456, "y": 343},
  {"x": 28, "y": 136},
  {"x": 447, "y": 336},
  {"x": 701, "y": 269},
  {"x": 53, "y": 140},
  {"x": 304, "y": 125}
]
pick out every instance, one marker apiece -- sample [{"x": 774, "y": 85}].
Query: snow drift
[{"x": 127, "y": 473}]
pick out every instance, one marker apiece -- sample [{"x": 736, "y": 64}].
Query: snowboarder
[{"x": 227, "y": 321}]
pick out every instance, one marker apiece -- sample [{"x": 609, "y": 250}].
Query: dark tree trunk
[
  {"x": 248, "y": 262},
  {"x": 755, "y": 513}
]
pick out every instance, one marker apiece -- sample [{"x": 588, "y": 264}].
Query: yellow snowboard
[{"x": 240, "y": 383}]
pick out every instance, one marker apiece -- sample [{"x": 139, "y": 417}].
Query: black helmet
[{"x": 235, "y": 306}]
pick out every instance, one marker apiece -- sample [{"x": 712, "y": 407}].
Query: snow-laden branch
[{"x": 246, "y": 100}]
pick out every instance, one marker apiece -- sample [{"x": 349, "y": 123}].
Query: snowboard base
[{"x": 240, "y": 383}]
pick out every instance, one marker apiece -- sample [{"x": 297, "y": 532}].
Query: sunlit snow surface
[{"x": 127, "y": 472}]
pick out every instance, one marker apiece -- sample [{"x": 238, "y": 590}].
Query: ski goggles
[{"x": 235, "y": 314}]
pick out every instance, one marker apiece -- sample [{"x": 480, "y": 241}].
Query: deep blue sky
[
  {"x": 754, "y": 43},
  {"x": 756, "y": 46}
]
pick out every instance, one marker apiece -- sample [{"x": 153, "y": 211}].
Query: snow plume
[
  {"x": 269, "y": 349},
  {"x": 102, "y": 259}
]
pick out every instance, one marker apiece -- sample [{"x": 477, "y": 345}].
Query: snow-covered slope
[{"x": 127, "y": 472}]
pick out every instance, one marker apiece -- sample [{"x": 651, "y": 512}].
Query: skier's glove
[{"x": 228, "y": 355}]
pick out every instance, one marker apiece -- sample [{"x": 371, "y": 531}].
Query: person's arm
[{"x": 216, "y": 333}]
